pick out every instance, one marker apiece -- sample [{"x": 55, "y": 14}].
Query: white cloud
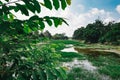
[
  {"x": 94, "y": 14},
  {"x": 96, "y": 11},
  {"x": 109, "y": 19},
  {"x": 118, "y": 9},
  {"x": 76, "y": 20},
  {"x": 118, "y": 20}
]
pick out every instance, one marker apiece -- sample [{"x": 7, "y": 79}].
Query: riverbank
[{"x": 77, "y": 56}]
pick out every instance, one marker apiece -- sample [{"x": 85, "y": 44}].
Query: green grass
[
  {"x": 107, "y": 65},
  {"x": 69, "y": 56},
  {"x": 81, "y": 74},
  {"x": 74, "y": 42},
  {"x": 66, "y": 56},
  {"x": 111, "y": 70}
]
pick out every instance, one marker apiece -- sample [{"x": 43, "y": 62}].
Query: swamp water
[
  {"x": 69, "y": 48},
  {"x": 84, "y": 64}
]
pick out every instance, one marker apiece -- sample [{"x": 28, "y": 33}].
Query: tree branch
[{"x": 10, "y": 2}]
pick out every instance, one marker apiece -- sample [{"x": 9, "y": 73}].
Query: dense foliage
[
  {"x": 78, "y": 34},
  {"x": 20, "y": 56},
  {"x": 99, "y": 32},
  {"x": 60, "y": 36}
]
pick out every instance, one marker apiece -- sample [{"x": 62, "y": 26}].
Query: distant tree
[
  {"x": 91, "y": 36},
  {"x": 113, "y": 35},
  {"x": 99, "y": 32},
  {"x": 60, "y": 36},
  {"x": 47, "y": 34},
  {"x": 79, "y": 33},
  {"x": 94, "y": 31}
]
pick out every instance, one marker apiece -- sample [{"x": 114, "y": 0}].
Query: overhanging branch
[{"x": 10, "y": 2}]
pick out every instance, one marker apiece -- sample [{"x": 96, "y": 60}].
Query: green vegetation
[
  {"x": 21, "y": 56},
  {"x": 79, "y": 73},
  {"x": 26, "y": 55},
  {"x": 99, "y": 32},
  {"x": 60, "y": 36},
  {"x": 57, "y": 36},
  {"x": 73, "y": 42},
  {"x": 107, "y": 63},
  {"x": 69, "y": 56},
  {"x": 66, "y": 56}
]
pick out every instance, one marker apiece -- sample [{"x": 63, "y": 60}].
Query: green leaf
[
  {"x": 11, "y": 17},
  {"x": 16, "y": 9},
  {"x": 33, "y": 25},
  {"x": 27, "y": 28},
  {"x": 63, "y": 4},
  {"x": 57, "y": 73},
  {"x": 62, "y": 73},
  {"x": 35, "y": 17},
  {"x": 56, "y": 4},
  {"x": 23, "y": 9},
  {"x": 64, "y": 21},
  {"x": 1, "y": 3},
  {"x": 42, "y": 25},
  {"x": 12, "y": 7},
  {"x": 5, "y": 17},
  {"x": 56, "y": 21},
  {"x": 5, "y": 9},
  {"x": 26, "y": 1},
  {"x": 48, "y": 4},
  {"x": 34, "y": 28},
  {"x": 31, "y": 7},
  {"x": 48, "y": 20},
  {"x": 1, "y": 12},
  {"x": 34, "y": 75},
  {"x": 37, "y": 6},
  {"x": 49, "y": 75},
  {"x": 42, "y": 75},
  {"x": 68, "y": 2}
]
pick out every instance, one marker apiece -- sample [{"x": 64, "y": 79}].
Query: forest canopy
[{"x": 99, "y": 32}]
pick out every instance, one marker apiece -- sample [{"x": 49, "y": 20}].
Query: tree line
[
  {"x": 99, "y": 32},
  {"x": 48, "y": 35}
]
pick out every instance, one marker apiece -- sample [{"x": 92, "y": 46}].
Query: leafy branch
[
  {"x": 10, "y": 2},
  {"x": 20, "y": 57}
]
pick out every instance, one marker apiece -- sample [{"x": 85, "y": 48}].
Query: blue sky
[
  {"x": 101, "y": 4},
  {"x": 108, "y": 5}
]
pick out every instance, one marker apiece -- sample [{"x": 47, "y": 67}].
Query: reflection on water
[
  {"x": 69, "y": 45},
  {"x": 95, "y": 52},
  {"x": 85, "y": 64},
  {"x": 70, "y": 48}
]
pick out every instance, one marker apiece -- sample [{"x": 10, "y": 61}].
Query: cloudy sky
[{"x": 82, "y": 12}]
